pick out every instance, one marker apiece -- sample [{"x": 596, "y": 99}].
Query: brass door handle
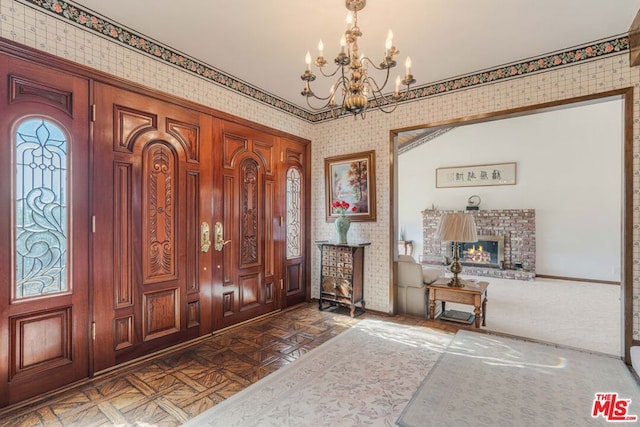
[
  {"x": 205, "y": 241},
  {"x": 219, "y": 240}
]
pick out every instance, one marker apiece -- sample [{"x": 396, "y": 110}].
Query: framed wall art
[
  {"x": 351, "y": 178},
  {"x": 476, "y": 175}
]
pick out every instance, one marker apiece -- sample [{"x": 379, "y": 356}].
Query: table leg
[
  {"x": 484, "y": 310},
  {"x": 432, "y": 306},
  {"x": 476, "y": 311}
]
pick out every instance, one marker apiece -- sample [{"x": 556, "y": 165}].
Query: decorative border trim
[
  {"x": 418, "y": 142},
  {"x": 93, "y": 22}
]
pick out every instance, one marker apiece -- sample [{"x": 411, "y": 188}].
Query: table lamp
[{"x": 456, "y": 227}]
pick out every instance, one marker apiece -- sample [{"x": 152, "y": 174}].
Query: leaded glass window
[
  {"x": 294, "y": 209},
  {"x": 40, "y": 209}
]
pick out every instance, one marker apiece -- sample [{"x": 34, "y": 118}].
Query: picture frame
[
  {"x": 477, "y": 175},
  {"x": 351, "y": 178}
]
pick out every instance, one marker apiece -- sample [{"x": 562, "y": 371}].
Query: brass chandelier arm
[
  {"x": 389, "y": 102},
  {"x": 391, "y": 64},
  {"x": 341, "y": 82},
  {"x": 380, "y": 99},
  {"x": 330, "y": 98},
  {"x": 386, "y": 104},
  {"x": 326, "y": 105},
  {"x": 390, "y": 105},
  {"x": 370, "y": 82},
  {"x": 338, "y": 68},
  {"x": 374, "y": 85}
]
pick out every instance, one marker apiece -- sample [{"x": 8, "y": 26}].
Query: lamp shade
[{"x": 457, "y": 227}]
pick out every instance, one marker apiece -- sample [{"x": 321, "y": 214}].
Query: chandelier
[{"x": 355, "y": 89}]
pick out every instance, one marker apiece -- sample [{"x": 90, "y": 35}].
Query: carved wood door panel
[
  {"x": 250, "y": 276},
  {"x": 151, "y": 278},
  {"x": 44, "y": 224}
]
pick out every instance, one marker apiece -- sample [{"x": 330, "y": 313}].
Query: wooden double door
[
  {"x": 190, "y": 224},
  {"x": 133, "y": 223}
]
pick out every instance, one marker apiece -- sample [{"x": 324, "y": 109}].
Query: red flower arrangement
[{"x": 341, "y": 206}]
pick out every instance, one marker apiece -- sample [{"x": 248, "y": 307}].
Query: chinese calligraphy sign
[{"x": 475, "y": 176}]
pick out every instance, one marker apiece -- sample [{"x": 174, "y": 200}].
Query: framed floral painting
[{"x": 350, "y": 186}]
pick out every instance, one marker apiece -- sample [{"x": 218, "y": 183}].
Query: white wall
[{"x": 569, "y": 169}]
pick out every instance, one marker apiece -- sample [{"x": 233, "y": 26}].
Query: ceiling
[{"x": 263, "y": 42}]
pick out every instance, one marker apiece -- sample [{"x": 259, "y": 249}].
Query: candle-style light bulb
[
  {"x": 407, "y": 64},
  {"x": 389, "y": 41},
  {"x": 320, "y": 49},
  {"x": 397, "y": 91},
  {"x": 343, "y": 44},
  {"x": 307, "y": 60}
]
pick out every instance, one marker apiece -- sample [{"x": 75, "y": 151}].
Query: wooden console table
[
  {"x": 473, "y": 293},
  {"x": 342, "y": 274}
]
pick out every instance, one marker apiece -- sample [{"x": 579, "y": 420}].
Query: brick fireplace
[{"x": 515, "y": 228}]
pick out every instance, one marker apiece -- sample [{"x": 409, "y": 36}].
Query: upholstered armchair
[{"x": 413, "y": 279}]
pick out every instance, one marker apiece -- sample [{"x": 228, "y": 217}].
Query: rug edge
[
  {"x": 198, "y": 419},
  {"x": 399, "y": 421}
]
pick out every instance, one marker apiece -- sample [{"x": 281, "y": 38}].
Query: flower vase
[{"x": 342, "y": 227}]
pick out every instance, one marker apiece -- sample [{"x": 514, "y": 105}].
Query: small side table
[{"x": 473, "y": 293}]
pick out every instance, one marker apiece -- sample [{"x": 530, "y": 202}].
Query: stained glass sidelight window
[
  {"x": 40, "y": 209},
  {"x": 294, "y": 201}
]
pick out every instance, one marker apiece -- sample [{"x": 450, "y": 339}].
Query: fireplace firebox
[{"x": 488, "y": 251}]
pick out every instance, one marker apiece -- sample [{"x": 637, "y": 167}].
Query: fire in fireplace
[{"x": 488, "y": 251}]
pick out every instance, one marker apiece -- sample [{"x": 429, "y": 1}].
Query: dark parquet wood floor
[{"x": 171, "y": 388}]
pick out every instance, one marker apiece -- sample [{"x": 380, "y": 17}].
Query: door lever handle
[
  {"x": 219, "y": 240},
  {"x": 205, "y": 241}
]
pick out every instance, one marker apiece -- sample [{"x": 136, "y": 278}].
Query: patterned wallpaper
[
  {"x": 41, "y": 28},
  {"x": 50, "y": 26}
]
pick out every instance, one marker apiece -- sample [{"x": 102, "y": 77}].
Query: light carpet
[
  {"x": 364, "y": 376},
  {"x": 488, "y": 380},
  {"x": 574, "y": 314}
]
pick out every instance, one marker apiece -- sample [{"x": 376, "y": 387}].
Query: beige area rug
[
  {"x": 488, "y": 380},
  {"x": 364, "y": 376}
]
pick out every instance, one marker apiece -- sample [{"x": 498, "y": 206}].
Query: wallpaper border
[{"x": 93, "y": 22}]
